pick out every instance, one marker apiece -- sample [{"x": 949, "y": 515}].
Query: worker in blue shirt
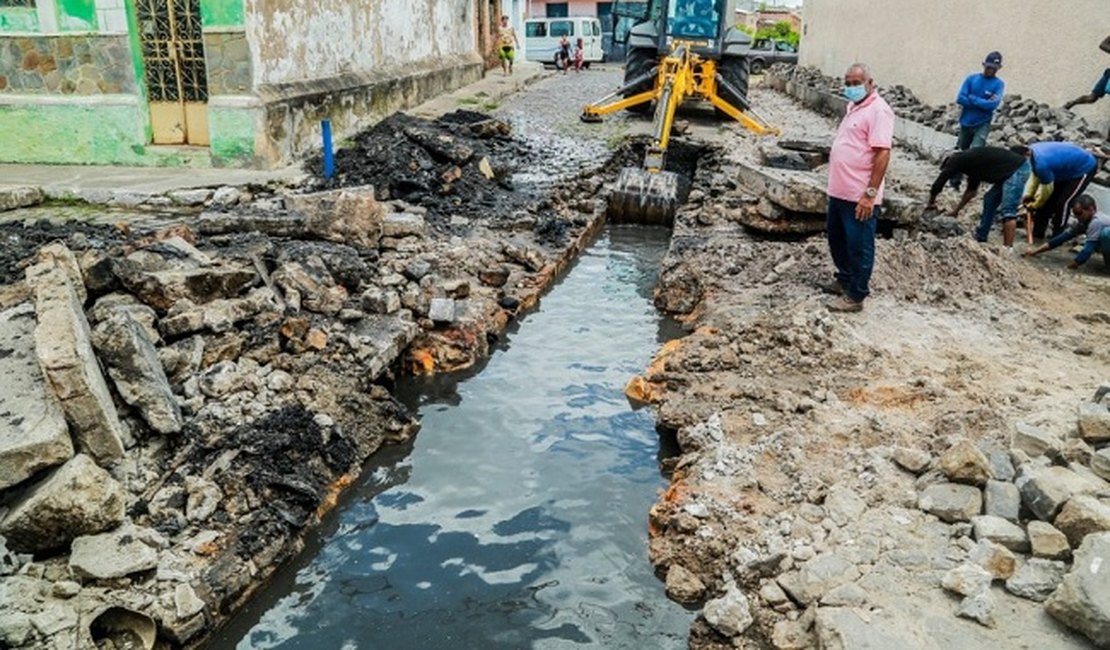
[
  {"x": 1089, "y": 221},
  {"x": 980, "y": 95},
  {"x": 1061, "y": 172}
]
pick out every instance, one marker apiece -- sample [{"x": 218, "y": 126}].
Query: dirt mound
[
  {"x": 458, "y": 164},
  {"x": 934, "y": 269}
]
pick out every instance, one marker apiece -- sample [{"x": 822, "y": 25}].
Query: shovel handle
[{"x": 1029, "y": 226}]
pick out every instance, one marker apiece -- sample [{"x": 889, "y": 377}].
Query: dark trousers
[
  {"x": 852, "y": 245},
  {"x": 1056, "y": 208}
]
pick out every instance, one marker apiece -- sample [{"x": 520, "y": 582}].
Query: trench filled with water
[{"x": 517, "y": 517}]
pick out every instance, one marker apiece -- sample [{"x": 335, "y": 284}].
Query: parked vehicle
[
  {"x": 766, "y": 51},
  {"x": 541, "y": 38}
]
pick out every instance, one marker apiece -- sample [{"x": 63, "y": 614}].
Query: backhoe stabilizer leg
[
  {"x": 606, "y": 105},
  {"x": 750, "y": 119}
]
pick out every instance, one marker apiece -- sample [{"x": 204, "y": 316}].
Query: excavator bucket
[{"x": 646, "y": 197}]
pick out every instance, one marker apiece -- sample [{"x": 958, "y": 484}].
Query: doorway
[{"x": 175, "y": 75}]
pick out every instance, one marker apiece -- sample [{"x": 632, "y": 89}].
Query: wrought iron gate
[{"x": 176, "y": 79}]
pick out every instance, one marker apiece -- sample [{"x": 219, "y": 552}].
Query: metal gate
[{"x": 176, "y": 79}]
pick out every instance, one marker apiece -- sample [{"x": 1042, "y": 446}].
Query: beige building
[{"x": 1050, "y": 49}]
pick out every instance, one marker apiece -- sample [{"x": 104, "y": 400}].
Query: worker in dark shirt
[{"x": 1005, "y": 169}]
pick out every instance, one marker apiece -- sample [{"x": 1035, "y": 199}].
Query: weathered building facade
[
  {"x": 219, "y": 82},
  {"x": 1050, "y": 49}
]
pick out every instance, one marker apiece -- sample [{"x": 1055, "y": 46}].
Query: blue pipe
[{"x": 329, "y": 155}]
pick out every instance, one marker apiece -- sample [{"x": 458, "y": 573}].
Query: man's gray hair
[
  {"x": 864, "y": 70},
  {"x": 1086, "y": 201}
]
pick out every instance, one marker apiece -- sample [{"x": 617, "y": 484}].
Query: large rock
[
  {"x": 1047, "y": 541},
  {"x": 683, "y": 585},
  {"x": 1081, "y": 516},
  {"x": 1045, "y": 490},
  {"x": 1002, "y": 499},
  {"x": 134, "y": 366},
  {"x": 33, "y": 430},
  {"x": 964, "y": 463},
  {"x": 967, "y": 580},
  {"x": 168, "y": 271},
  {"x": 730, "y": 614},
  {"x": 818, "y": 576},
  {"x": 1036, "y": 579},
  {"x": 1094, "y": 422},
  {"x": 1000, "y": 531},
  {"x": 1034, "y": 441},
  {"x": 951, "y": 502},
  {"x": 347, "y": 216},
  {"x": 1100, "y": 463},
  {"x": 114, "y": 554},
  {"x": 62, "y": 342},
  {"x": 1082, "y": 602},
  {"x": 78, "y": 498}
]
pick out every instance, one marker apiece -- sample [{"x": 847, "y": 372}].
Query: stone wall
[
  {"x": 79, "y": 64},
  {"x": 1050, "y": 50}
]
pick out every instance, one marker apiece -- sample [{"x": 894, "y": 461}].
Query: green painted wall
[
  {"x": 232, "y": 131},
  {"x": 221, "y": 13},
  {"x": 71, "y": 133},
  {"x": 77, "y": 15},
  {"x": 19, "y": 19}
]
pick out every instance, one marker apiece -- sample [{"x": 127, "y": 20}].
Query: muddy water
[{"x": 517, "y": 518}]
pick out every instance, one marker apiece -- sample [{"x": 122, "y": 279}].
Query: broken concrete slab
[
  {"x": 348, "y": 216},
  {"x": 951, "y": 502},
  {"x": 1044, "y": 490},
  {"x": 20, "y": 196},
  {"x": 58, "y": 255},
  {"x": 397, "y": 225},
  {"x": 33, "y": 430},
  {"x": 135, "y": 368},
  {"x": 109, "y": 304},
  {"x": 78, "y": 498},
  {"x": 219, "y": 315},
  {"x": 799, "y": 191},
  {"x": 113, "y": 554},
  {"x": 161, "y": 289},
  {"x": 64, "y": 348},
  {"x": 1094, "y": 422}
]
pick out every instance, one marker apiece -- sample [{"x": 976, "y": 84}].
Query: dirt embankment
[{"x": 804, "y": 507}]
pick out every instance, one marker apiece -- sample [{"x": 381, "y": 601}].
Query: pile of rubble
[
  {"x": 1017, "y": 121},
  {"x": 181, "y": 405}
]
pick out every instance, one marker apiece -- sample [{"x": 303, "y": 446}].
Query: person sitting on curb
[
  {"x": 1006, "y": 169},
  {"x": 1061, "y": 172},
  {"x": 1088, "y": 220}
]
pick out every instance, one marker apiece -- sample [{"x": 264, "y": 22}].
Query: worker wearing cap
[
  {"x": 980, "y": 95},
  {"x": 1061, "y": 171}
]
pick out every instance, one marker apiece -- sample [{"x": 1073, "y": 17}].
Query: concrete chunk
[
  {"x": 1047, "y": 541},
  {"x": 1082, "y": 602},
  {"x": 1094, "y": 422},
  {"x": 964, "y": 463},
  {"x": 1000, "y": 531},
  {"x": 62, "y": 342},
  {"x": 33, "y": 430},
  {"x": 1044, "y": 490},
  {"x": 1034, "y": 441},
  {"x": 1002, "y": 499},
  {"x": 76, "y": 499},
  {"x": 403, "y": 225},
  {"x": 1081, "y": 516},
  {"x": 348, "y": 216},
  {"x": 13, "y": 197},
  {"x": 114, "y": 554},
  {"x": 951, "y": 502},
  {"x": 137, "y": 371}
]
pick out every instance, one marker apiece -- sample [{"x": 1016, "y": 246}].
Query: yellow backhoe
[{"x": 682, "y": 49}]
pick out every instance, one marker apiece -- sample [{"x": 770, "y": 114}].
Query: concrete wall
[
  {"x": 325, "y": 38},
  {"x": 1050, "y": 49}
]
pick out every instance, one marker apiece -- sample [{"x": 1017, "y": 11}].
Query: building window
[
  {"x": 17, "y": 3},
  {"x": 557, "y": 10}
]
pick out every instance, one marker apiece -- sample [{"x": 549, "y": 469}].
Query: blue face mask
[{"x": 855, "y": 93}]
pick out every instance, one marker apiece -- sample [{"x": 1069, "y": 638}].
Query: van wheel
[
  {"x": 758, "y": 66},
  {"x": 640, "y": 61}
]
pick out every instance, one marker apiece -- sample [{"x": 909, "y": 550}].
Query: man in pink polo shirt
[{"x": 858, "y": 161}]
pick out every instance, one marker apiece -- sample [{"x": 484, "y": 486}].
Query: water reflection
[{"x": 517, "y": 518}]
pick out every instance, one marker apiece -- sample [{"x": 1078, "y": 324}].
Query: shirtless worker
[{"x": 508, "y": 42}]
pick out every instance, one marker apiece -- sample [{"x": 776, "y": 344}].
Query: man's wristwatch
[{"x": 871, "y": 192}]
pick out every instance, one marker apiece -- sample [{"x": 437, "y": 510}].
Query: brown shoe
[
  {"x": 831, "y": 287},
  {"x": 844, "y": 303}
]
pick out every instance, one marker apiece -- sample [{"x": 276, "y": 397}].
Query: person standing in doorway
[
  {"x": 857, "y": 165},
  {"x": 979, "y": 96},
  {"x": 1061, "y": 172},
  {"x": 507, "y": 44}
]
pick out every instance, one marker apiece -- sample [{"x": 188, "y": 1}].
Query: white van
[{"x": 541, "y": 38}]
